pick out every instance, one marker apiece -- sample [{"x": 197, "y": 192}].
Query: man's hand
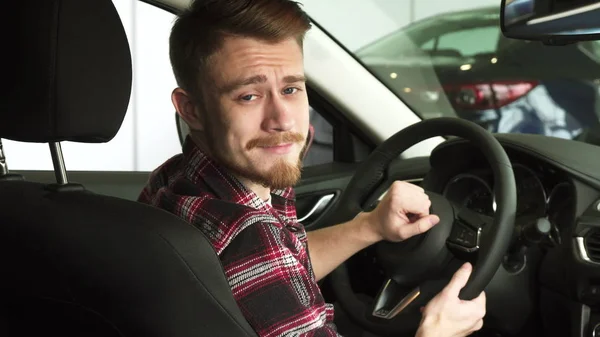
[
  {"x": 402, "y": 213},
  {"x": 446, "y": 315}
]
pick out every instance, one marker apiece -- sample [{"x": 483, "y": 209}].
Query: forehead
[{"x": 240, "y": 56}]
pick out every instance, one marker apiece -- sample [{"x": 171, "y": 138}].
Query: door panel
[{"x": 310, "y": 210}]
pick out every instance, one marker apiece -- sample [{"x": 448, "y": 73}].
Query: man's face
[{"x": 257, "y": 114}]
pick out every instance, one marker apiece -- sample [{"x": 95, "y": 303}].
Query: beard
[{"x": 281, "y": 175}]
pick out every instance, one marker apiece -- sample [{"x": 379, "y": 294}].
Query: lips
[
  {"x": 278, "y": 145},
  {"x": 278, "y": 149},
  {"x": 282, "y": 140}
]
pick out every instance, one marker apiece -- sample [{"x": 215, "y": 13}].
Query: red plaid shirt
[{"x": 263, "y": 248}]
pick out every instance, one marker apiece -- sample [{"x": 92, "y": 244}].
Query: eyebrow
[{"x": 234, "y": 85}]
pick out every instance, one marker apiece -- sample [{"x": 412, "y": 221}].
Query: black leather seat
[{"x": 74, "y": 263}]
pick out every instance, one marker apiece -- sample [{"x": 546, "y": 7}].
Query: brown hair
[{"x": 198, "y": 33}]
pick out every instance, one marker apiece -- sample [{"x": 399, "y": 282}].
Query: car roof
[{"x": 178, "y": 5}]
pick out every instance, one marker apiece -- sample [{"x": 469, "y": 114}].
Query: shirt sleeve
[{"x": 269, "y": 272}]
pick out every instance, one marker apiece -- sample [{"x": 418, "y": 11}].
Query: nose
[{"x": 279, "y": 116}]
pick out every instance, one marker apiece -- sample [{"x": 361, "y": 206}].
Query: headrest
[{"x": 68, "y": 74}]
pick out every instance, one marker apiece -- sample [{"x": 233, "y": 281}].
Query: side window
[
  {"x": 321, "y": 149},
  {"x": 334, "y": 139},
  {"x": 467, "y": 42},
  {"x": 429, "y": 45}
]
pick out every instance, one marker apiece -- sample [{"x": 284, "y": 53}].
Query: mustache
[{"x": 277, "y": 139}]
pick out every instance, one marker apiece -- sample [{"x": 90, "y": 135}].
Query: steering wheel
[{"x": 418, "y": 268}]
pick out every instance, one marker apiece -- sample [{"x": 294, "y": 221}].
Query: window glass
[
  {"x": 470, "y": 42},
  {"x": 321, "y": 149},
  {"x": 449, "y": 58}
]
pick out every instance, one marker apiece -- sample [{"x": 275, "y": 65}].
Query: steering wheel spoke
[
  {"x": 473, "y": 219},
  {"x": 467, "y": 229},
  {"x": 464, "y": 238},
  {"x": 393, "y": 299},
  {"x": 396, "y": 301}
]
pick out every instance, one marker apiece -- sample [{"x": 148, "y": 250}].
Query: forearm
[{"x": 331, "y": 246}]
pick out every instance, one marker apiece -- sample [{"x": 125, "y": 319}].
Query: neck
[
  {"x": 261, "y": 191},
  {"x": 198, "y": 139}
]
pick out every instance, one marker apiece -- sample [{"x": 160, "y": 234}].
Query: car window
[
  {"x": 466, "y": 42},
  {"x": 321, "y": 149},
  {"x": 449, "y": 58}
]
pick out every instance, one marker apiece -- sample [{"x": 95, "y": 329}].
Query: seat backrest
[{"x": 75, "y": 263}]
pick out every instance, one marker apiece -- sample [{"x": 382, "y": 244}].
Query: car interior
[{"x": 81, "y": 257}]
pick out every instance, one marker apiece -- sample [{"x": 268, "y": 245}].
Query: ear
[{"x": 187, "y": 109}]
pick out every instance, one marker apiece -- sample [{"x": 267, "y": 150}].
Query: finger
[
  {"x": 404, "y": 188},
  {"x": 459, "y": 280},
  {"x": 419, "y": 205},
  {"x": 420, "y": 226},
  {"x": 403, "y": 185},
  {"x": 480, "y": 300},
  {"x": 479, "y": 305}
]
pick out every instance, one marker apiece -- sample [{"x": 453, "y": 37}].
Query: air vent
[{"x": 592, "y": 245}]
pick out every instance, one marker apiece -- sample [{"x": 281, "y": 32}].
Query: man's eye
[
  {"x": 248, "y": 98},
  {"x": 289, "y": 91}
]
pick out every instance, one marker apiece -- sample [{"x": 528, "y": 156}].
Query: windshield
[{"x": 446, "y": 58}]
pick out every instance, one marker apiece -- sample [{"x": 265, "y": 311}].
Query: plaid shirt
[{"x": 263, "y": 249}]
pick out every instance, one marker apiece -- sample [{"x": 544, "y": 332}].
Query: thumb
[
  {"x": 459, "y": 279},
  {"x": 423, "y": 224}
]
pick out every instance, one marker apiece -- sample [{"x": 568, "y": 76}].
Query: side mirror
[{"x": 554, "y": 22}]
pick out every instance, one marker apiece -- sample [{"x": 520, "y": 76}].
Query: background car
[{"x": 459, "y": 64}]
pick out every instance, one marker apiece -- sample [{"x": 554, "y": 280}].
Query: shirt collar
[{"x": 224, "y": 184}]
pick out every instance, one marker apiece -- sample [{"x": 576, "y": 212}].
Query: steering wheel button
[
  {"x": 382, "y": 312},
  {"x": 464, "y": 237}
]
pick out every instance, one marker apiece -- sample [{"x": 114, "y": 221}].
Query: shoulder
[
  {"x": 223, "y": 221},
  {"x": 161, "y": 178}
]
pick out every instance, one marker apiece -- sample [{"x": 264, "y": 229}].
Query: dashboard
[
  {"x": 554, "y": 277},
  {"x": 542, "y": 193},
  {"x": 546, "y": 186},
  {"x": 558, "y": 185}
]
